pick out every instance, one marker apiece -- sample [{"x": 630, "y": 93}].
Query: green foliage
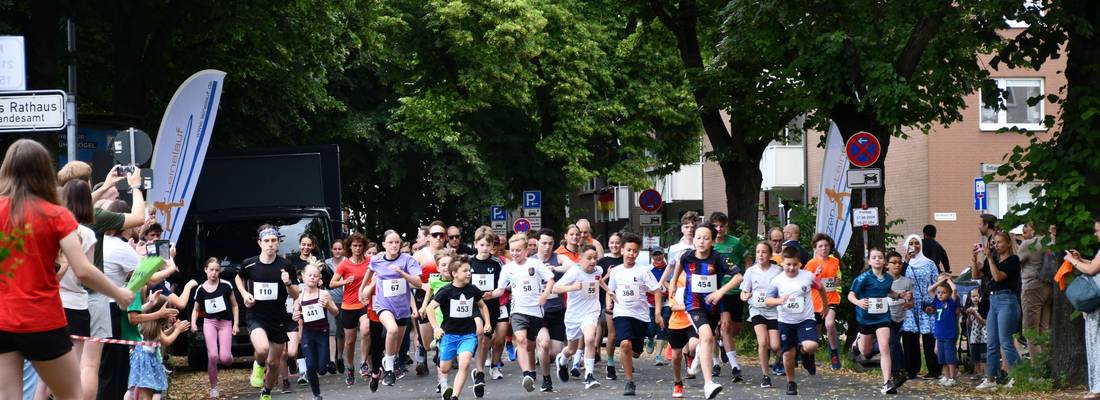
[{"x": 1033, "y": 374}]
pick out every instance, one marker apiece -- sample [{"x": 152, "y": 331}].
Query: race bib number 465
[{"x": 794, "y": 305}]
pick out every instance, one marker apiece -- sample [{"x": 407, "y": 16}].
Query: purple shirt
[{"x": 391, "y": 291}]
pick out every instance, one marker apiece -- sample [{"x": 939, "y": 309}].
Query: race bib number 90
[
  {"x": 265, "y": 291},
  {"x": 877, "y": 305}
]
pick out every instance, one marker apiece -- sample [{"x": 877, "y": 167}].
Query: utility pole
[{"x": 70, "y": 103}]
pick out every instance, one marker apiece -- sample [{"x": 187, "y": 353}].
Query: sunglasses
[
  {"x": 454, "y": 236},
  {"x": 438, "y": 235}
]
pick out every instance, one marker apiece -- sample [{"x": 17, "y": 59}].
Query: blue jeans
[
  {"x": 30, "y": 380},
  {"x": 897, "y": 357},
  {"x": 1001, "y": 323},
  {"x": 315, "y": 348}
]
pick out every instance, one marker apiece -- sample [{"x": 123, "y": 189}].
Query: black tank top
[{"x": 310, "y": 310}]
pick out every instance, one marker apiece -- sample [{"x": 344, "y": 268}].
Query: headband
[{"x": 270, "y": 232}]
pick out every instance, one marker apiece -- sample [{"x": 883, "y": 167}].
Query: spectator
[
  {"x": 1037, "y": 296},
  {"x": 153, "y": 232},
  {"x": 1002, "y": 269},
  {"x": 1092, "y": 319},
  {"x": 791, "y": 236},
  {"x": 917, "y": 328},
  {"x": 934, "y": 251},
  {"x": 454, "y": 241},
  {"x": 775, "y": 238},
  {"x": 586, "y": 236}
]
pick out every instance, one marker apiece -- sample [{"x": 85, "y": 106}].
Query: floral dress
[
  {"x": 923, "y": 274},
  {"x": 147, "y": 369}
]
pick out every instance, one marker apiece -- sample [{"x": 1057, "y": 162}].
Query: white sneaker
[
  {"x": 1010, "y": 383},
  {"x": 488, "y": 363},
  {"x": 495, "y": 373},
  {"x": 950, "y": 382},
  {"x": 942, "y": 380},
  {"x": 694, "y": 368},
  {"x": 712, "y": 389},
  {"x": 987, "y": 385}
]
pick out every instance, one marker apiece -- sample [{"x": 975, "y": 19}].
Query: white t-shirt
[
  {"x": 799, "y": 306},
  {"x": 630, "y": 286},
  {"x": 526, "y": 282},
  {"x": 586, "y": 301},
  {"x": 759, "y": 282},
  {"x": 73, "y": 295},
  {"x": 119, "y": 260}
]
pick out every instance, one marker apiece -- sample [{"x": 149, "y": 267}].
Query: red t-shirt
[
  {"x": 29, "y": 300},
  {"x": 351, "y": 291},
  {"x": 427, "y": 271}
]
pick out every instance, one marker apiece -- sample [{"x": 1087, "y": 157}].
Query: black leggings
[
  {"x": 377, "y": 345},
  {"x": 315, "y": 348},
  {"x": 912, "y": 350}
]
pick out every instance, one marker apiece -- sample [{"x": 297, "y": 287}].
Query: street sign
[
  {"x": 651, "y": 242},
  {"x": 35, "y": 110},
  {"x": 532, "y": 213},
  {"x": 863, "y": 149},
  {"x": 532, "y": 199},
  {"x": 521, "y": 225},
  {"x": 945, "y": 216},
  {"x": 650, "y": 200},
  {"x": 979, "y": 194},
  {"x": 13, "y": 64},
  {"x": 500, "y": 227},
  {"x": 497, "y": 213},
  {"x": 869, "y": 178},
  {"x": 865, "y": 216},
  {"x": 131, "y": 147},
  {"x": 649, "y": 219},
  {"x": 536, "y": 223}
]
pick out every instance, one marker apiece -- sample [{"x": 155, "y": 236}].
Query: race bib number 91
[{"x": 484, "y": 282}]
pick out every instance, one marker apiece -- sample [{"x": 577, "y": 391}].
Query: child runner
[
  {"x": 703, "y": 269},
  {"x": 485, "y": 272},
  {"x": 871, "y": 292},
  {"x": 443, "y": 260},
  {"x": 627, "y": 286},
  {"x": 216, "y": 304},
  {"x": 945, "y": 307},
  {"x": 396, "y": 272},
  {"x": 899, "y": 306},
  {"x": 977, "y": 333},
  {"x": 797, "y": 329},
  {"x": 530, "y": 284},
  {"x": 265, "y": 282},
  {"x": 730, "y": 247},
  {"x": 682, "y": 338},
  {"x": 612, "y": 259},
  {"x": 754, "y": 290},
  {"x": 551, "y": 338},
  {"x": 457, "y": 333},
  {"x": 656, "y": 335},
  {"x": 582, "y": 314},
  {"x": 354, "y": 321},
  {"x": 311, "y": 309},
  {"x": 147, "y": 375},
  {"x": 827, "y": 268}
]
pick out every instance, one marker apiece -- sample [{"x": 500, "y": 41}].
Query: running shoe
[
  {"x": 286, "y": 386},
  {"x": 575, "y": 371},
  {"x": 265, "y": 394},
  {"x": 374, "y": 381},
  {"x": 952, "y": 382},
  {"x": 629, "y": 389},
  {"x": 511, "y": 349},
  {"x": 716, "y": 371},
  {"x": 987, "y": 385},
  {"x": 349, "y": 379},
  {"x": 400, "y": 374},
  {"x": 678, "y": 390},
  {"x": 388, "y": 378},
  {"x": 777, "y": 369},
  {"x": 421, "y": 369},
  {"x": 660, "y": 360},
  {"x": 809, "y": 363},
  {"x": 693, "y": 367},
  {"x": 792, "y": 389},
  {"x": 496, "y": 373},
  {"x": 942, "y": 381},
  {"x": 330, "y": 368},
  {"x": 766, "y": 382},
  {"x": 736, "y": 372},
  {"x": 340, "y": 365},
  {"x": 563, "y": 369},
  {"x": 363, "y": 371},
  {"x": 257, "y": 379},
  {"x": 547, "y": 384},
  {"x": 479, "y": 383},
  {"x": 447, "y": 393},
  {"x": 611, "y": 373},
  {"x": 835, "y": 359},
  {"x": 214, "y": 392},
  {"x": 930, "y": 376},
  {"x": 590, "y": 382},
  {"x": 712, "y": 389},
  {"x": 887, "y": 387},
  {"x": 649, "y": 346},
  {"x": 528, "y": 383},
  {"x": 302, "y": 380},
  {"x": 899, "y": 379}
]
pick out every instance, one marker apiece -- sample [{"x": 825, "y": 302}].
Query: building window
[
  {"x": 1004, "y": 195},
  {"x": 1028, "y": 4},
  {"x": 1017, "y": 112}
]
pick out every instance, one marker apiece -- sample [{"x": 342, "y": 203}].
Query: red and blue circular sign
[
  {"x": 863, "y": 149},
  {"x": 650, "y": 200},
  {"x": 521, "y": 225}
]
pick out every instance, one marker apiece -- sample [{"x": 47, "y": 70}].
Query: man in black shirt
[
  {"x": 454, "y": 241},
  {"x": 934, "y": 251}
]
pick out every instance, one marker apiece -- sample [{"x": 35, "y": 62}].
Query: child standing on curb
[{"x": 945, "y": 307}]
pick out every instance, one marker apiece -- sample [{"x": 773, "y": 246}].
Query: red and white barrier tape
[{"x": 113, "y": 341}]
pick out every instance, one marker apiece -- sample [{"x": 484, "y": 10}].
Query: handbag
[{"x": 1084, "y": 293}]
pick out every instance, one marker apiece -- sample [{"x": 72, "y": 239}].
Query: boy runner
[
  {"x": 485, "y": 272},
  {"x": 628, "y": 285},
  {"x": 582, "y": 314},
  {"x": 457, "y": 334},
  {"x": 797, "y": 328},
  {"x": 530, "y": 284}
]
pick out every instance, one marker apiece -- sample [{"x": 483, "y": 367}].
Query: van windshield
[{"x": 235, "y": 241}]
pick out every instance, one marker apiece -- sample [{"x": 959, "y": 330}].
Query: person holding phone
[
  {"x": 1092, "y": 319},
  {"x": 1002, "y": 269}
]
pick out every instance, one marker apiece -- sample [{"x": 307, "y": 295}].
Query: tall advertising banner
[
  {"x": 180, "y": 150},
  {"x": 834, "y": 198}
]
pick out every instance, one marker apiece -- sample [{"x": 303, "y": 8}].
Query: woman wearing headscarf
[{"x": 916, "y": 330}]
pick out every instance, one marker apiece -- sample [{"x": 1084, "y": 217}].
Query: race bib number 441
[{"x": 312, "y": 312}]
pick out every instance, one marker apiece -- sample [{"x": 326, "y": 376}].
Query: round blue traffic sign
[
  {"x": 863, "y": 149},
  {"x": 521, "y": 225},
  {"x": 650, "y": 200}
]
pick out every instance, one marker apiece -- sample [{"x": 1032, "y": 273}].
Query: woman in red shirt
[{"x": 32, "y": 321}]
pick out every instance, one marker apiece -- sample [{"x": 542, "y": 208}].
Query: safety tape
[{"x": 113, "y": 341}]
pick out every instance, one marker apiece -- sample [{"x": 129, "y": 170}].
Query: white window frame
[
  {"x": 1002, "y": 116},
  {"x": 1016, "y": 24},
  {"x": 1003, "y": 203}
]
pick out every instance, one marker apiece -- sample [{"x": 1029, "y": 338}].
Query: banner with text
[
  {"x": 180, "y": 149},
  {"x": 834, "y": 197}
]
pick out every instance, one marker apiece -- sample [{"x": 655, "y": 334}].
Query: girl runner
[
  {"x": 627, "y": 288},
  {"x": 307, "y": 250},
  {"x": 311, "y": 309},
  {"x": 336, "y": 330},
  {"x": 582, "y": 314},
  {"x": 354, "y": 321},
  {"x": 457, "y": 333},
  {"x": 396, "y": 271},
  {"x": 443, "y": 260},
  {"x": 870, "y": 293},
  {"x": 682, "y": 338},
  {"x": 754, "y": 290},
  {"x": 216, "y": 304},
  {"x": 704, "y": 269},
  {"x": 530, "y": 284},
  {"x": 485, "y": 272},
  {"x": 827, "y": 268},
  {"x": 790, "y": 292}
]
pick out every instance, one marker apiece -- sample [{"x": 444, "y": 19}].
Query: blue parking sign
[
  {"x": 532, "y": 199},
  {"x": 497, "y": 213},
  {"x": 979, "y": 194}
]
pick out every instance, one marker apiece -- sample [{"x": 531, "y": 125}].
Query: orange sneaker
[
  {"x": 678, "y": 390},
  {"x": 668, "y": 352}
]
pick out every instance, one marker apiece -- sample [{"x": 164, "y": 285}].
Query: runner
[
  {"x": 437, "y": 237},
  {"x": 704, "y": 268},
  {"x": 627, "y": 287},
  {"x": 216, "y": 304},
  {"x": 265, "y": 282},
  {"x": 755, "y": 289},
  {"x": 336, "y": 330},
  {"x": 551, "y": 338},
  {"x": 348, "y": 278},
  {"x": 307, "y": 250},
  {"x": 585, "y": 230},
  {"x": 457, "y": 333},
  {"x": 396, "y": 271},
  {"x": 682, "y": 338},
  {"x": 310, "y": 309},
  {"x": 898, "y": 309},
  {"x": 730, "y": 247},
  {"x": 871, "y": 292},
  {"x": 827, "y": 268},
  {"x": 530, "y": 284},
  {"x": 485, "y": 271},
  {"x": 656, "y": 335},
  {"x": 790, "y": 292},
  {"x": 607, "y": 262},
  {"x": 443, "y": 259},
  {"x": 582, "y": 314}
]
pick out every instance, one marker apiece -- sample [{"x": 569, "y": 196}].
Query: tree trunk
[
  {"x": 1067, "y": 343},
  {"x": 743, "y": 191}
]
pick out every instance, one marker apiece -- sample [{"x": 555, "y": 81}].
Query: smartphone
[
  {"x": 161, "y": 248},
  {"x": 124, "y": 170}
]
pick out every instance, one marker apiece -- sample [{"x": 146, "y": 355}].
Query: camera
[{"x": 161, "y": 248}]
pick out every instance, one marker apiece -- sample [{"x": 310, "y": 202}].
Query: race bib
[
  {"x": 628, "y": 293},
  {"x": 758, "y": 299},
  {"x": 704, "y": 283},
  {"x": 265, "y": 291},
  {"x": 394, "y": 287},
  {"x": 312, "y": 312},
  {"x": 289, "y": 305},
  {"x": 591, "y": 289},
  {"x": 794, "y": 305},
  {"x": 215, "y": 305},
  {"x": 829, "y": 284},
  {"x": 877, "y": 305},
  {"x": 484, "y": 282},
  {"x": 527, "y": 285},
  {"x": 503, "y": 311},
  {"x": 461, "y": 308}
]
